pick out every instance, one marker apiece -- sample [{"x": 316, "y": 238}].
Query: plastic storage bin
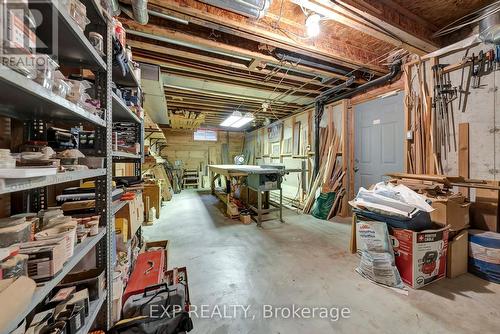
[
  {"x": 78, "y": 12},
  {"x": 46, "y": 68},
  {"x": 62, "y": 87}
]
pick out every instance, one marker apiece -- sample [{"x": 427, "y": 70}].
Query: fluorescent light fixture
[
  {"x": 244, "y": 120},
  {"x": 237, "y": 120},
  {"x": 235, "y": 116},
  {"x": 312, "y": 25}
]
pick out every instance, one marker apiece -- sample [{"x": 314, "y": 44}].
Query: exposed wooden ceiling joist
[
  {"x": 251, "y": 57},
  {"x": 263, "y": 76},
  {"x": 341, "y": 52}
]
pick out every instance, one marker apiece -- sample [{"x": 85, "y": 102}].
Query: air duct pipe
[
  {"x": 115, "y": 6},
  {"x": 321, "y": 101},
  {"x": 256, "y": 9},
  {"x": 140, "y": 9},
  {"x": 489, "y": 29},
  {"x": 283, "y": 56}
]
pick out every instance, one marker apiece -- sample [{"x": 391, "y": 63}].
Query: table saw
[{"x": 261, "y": 179}]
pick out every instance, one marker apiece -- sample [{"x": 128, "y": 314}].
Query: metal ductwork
[
  {"x": 140, "y": 10},
  {"x": 395, "y": 68},
  {"x": 280, "y": 55},
  {"x": 115, "y": 6},
  {"x": 322, "y": 100},
  {"x": 489, "y": 29},
  {"x": 255, "y": 9}
]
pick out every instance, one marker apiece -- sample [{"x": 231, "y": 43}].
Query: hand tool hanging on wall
[
  {"x": 489, "y": 65},
  {"x": 444, "y": 94},
  {"x": 477, "y": 64},
  {"x": 465, "y": 91}
]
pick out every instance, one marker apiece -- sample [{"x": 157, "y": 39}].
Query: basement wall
[
  {"x": 181, "y": 146},
  {"x": 290, "y": 141},
  {"x": 482, "y": 113}
]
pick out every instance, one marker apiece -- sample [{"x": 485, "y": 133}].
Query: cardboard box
[
  {"x": 153, "y": 191},
  {"x": 45, "y": 258},
  {"x": 94, "y": 280},
  {"x": 133, "y": 212},
  {"x": 420, "y": 256},
  {"x": 452, "y": 211},
  {"x": 484, "y": 211},
  {"x": 457, "y": 255},
  {"x": 16, "y": 295}
]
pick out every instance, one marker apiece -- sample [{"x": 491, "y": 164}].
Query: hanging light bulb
[{"x": 312, "y": 25}]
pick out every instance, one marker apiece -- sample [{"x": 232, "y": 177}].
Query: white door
[{"x": 379, "y": 139}]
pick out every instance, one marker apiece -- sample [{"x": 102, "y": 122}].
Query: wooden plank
[
  {"x": 405, "y": 40},
  {"x": 407, "y": 122},
  {"x": 463, "y": 155},
  {"x": 344, "y": 211},
  {"x": 351, "y": 171}
]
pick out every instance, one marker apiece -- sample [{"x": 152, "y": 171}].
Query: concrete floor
[{"x": 303, "y": 262}]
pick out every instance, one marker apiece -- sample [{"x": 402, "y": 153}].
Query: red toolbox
[{"x": 148, "y": 270}]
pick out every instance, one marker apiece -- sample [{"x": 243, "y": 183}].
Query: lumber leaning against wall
[
  {"x": 295, "y": 148},
  {"x": 482, "y": 113}
]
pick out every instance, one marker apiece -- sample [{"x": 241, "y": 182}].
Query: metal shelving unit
[
  {"x": 117, "y": 205},
  {"x": 129, "y": 80},
  {"x": 125, "y": 156},
  {"x": 26, "y": 100},
  {"x": 72, "y": 47},
  {"x": 122, "y": 113},
  {"x": 94, "y": 307},
  {"x": 12, "y": 185},
  {"x": 41, "y": 292}
]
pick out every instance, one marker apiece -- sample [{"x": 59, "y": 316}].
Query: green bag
[{"x": 323, "y": 205}]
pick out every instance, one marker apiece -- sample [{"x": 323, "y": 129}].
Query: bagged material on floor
[
  {"x": 396, "y": 200},
  {"x": 484, "y": 254},
  {"x": 396, "y": 205},
  {"x": 377, "y": 256},
  {"x": 323, "y": 205},
  {"x": 419, "y": 222}
]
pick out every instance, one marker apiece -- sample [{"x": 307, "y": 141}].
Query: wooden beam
[
  {"x": 401, "y": 37},
  {"x": 256, "y": 62},
  {"x": 421, "y": 21},
  {"x": 215, "y": 18},
  {"x": 197, "y": 60},
  {"x": 186, "y": 39},
  {"x": 463, "y": 155},
  {"x": 375, "y": 92},
  {"x": 220, "y": 109},
  {"x": 263, "y": 77}
]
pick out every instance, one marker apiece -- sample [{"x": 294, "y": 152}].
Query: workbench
[{"x": 237, "y": 171}]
